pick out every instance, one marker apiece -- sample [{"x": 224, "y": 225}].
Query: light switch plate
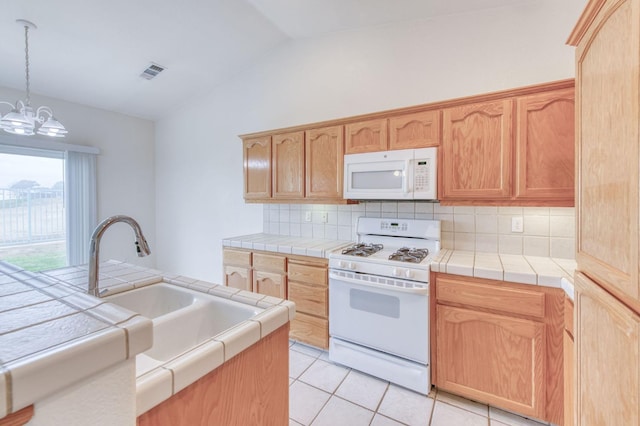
[{"x": 517, "y": 224}]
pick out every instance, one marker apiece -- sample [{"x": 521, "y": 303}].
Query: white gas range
[{"x": 379, "y": 300}]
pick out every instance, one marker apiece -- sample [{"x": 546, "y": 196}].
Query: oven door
[
  {"x": 388, "y": 317},
  {"x": 378, "y": 175}
]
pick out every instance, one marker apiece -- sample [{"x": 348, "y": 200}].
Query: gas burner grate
[
  {"x": 412, "y": 255},
  {"x": 362, "y": 250}
]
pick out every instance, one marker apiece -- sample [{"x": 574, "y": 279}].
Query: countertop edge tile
[
  {"x": 152, "y": 388},
  {"x": 194, "y": 364},
  {"x": 4, "y": 392},
  {"x": 41, "y": 374}
]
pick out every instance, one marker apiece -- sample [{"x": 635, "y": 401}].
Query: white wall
[
  {"x": 199, "y": 156},
  {"x": 125, "y": 169}
]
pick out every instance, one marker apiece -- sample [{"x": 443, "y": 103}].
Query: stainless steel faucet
[{"x": 142, "y": 248}]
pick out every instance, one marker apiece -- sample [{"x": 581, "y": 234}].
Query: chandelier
[{"x": 22, "y": 119}]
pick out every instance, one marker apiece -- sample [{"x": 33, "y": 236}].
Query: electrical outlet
[
  {"x": 323, "y": 217},
  {"x": 307, "y": 216},
  {"x": 517, "y": 224}
]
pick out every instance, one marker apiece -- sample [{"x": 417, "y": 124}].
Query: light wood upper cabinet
[
  {"x": 418, "y": 130},
  {"x": 288, "y": 165},
  {"x": 324, "y": 152},
  {"x": 545, "y": 145},
  {"x": 366, "y": 136},
  {"x": 257, "y": 168},
  {"x": 608, "y": 367},
  {"x": 608, "y": 101},
  {"x": 476, "y": 151}
]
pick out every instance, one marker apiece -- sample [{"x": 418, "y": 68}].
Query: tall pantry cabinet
[{"x": 607, "y": 299}]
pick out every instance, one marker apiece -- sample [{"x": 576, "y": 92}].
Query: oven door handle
[{"x": 336, "y": 277}]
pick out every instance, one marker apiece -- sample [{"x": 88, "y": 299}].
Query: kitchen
[{"x": 154, "y": 169}]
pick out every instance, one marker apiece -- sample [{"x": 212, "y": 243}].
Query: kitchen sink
[{"x": 182, "y": 318}]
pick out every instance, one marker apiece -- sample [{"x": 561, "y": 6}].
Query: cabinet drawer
[
  {"x": 504, "y": 298},
  {"x": 309, "y": 299},
  {"x": 270, "y": 262},
  {"x": 311, "y": 330},
  {"x": 308, "y": 274},
  {"x": 236, "y": 257}
]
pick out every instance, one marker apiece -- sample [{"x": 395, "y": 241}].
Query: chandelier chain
[{"x": 26, "y": 59}]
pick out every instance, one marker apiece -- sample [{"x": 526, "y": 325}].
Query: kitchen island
[{"x": 73, "y": 356}]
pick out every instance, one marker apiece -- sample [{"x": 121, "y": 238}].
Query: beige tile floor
[{"x": 326, "y": 394}]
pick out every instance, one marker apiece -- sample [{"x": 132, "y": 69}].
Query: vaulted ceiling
[{"x": 92, "y": 52}]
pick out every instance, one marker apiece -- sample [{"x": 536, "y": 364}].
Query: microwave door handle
[{"x": 408, "y": 176}]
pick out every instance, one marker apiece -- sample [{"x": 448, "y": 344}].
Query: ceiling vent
[{"x": 152, "y": 70}]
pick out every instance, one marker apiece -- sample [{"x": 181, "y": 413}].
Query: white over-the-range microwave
[{"x": 408, "y": 174}]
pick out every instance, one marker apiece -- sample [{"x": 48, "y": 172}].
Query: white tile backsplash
[{"x": 547, "y": 231}]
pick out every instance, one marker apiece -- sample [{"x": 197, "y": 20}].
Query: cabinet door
[
  {"x": 257, "y": 168},
  {"x": 288, "y": 165},
  {"x": 477, "y": 145},
  {"x": 492, "y": 358},
  {"x": 270, "y": 284},
  {"x": 418, "y": 130},
  {"x": 569, "y": 379},
  {"x": 237, "y": 277},
  {"x": 366, "y": 136},
  {"x": 545, "y": 146},
  {"x": 608, "y": 367},
  {"x": 608, "y": 150},
  {"x": 324, "y": 159}
]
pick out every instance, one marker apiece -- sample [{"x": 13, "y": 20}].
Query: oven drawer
[
  {"x": 311, "y": 330},
  {"x": 308, "y": 298}
]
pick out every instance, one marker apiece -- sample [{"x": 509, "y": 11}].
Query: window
[
  {"x": 32, "y": 210},
  {"x": 47, "y": 203}
]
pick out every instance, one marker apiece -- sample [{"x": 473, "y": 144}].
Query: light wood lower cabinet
[
  {"x": 500, "y": 343},
  {"x": 493, "y": 358},
  {"x": 252, "y": 388},
  {"x": 569, "y": 364},
  {"x": 18, "y": 418},
  {"x": 301, "y": 279},
  {"x": 237, "y": 269},
  {"x": 607, "y": 357},
  {"x": 270, "y": 274},
  {"x": 308, "y": 288}
]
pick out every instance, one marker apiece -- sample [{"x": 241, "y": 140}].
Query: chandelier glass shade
[{"x": 22, "y": 119}]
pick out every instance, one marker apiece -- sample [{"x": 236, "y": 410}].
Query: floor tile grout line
[{"x": 375, "y": 411}]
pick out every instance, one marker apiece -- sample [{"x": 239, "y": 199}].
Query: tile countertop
[
  {"x": 52, "y": 334},
  {"x": 315, "y": 247},
  {"x": 544, "y": 271}
]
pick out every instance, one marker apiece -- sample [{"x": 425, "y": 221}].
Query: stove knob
[
  {"x": 408, "y": 273},
  {"x": 342, "y": 264},
  {"x": 352, "y": 266},
  {"x": 396, "y": 272}
]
